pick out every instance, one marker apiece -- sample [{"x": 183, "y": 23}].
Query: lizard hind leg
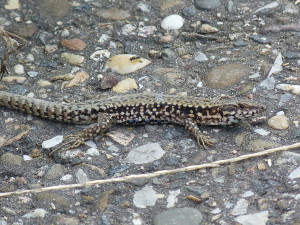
[{"x": 105, "y": 120}]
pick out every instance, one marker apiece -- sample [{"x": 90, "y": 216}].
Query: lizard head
[{"x": 235, "y": 112}]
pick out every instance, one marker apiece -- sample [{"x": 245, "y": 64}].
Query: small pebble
[
  {"x": 259, "y": 218},
  {"x": 268, "y": 84},
  {"x": 201, "y": 57},
  {"x": 32, "y": 73},
  {"x": 29, "y": 58},
  {"x": 261, "y": 166},
  {"x": 292, "y": 55},
  {"x": 37, "y": 213},
  {"x": 262, "y": 132},
  {"x": 207, "y": 4},
  {"x": 65, "y": 33},
  {"x": 279, "y": 122},
  {"x": 73, "y": 44},
  {"x": 260, "y": 39},
  {"x": 19, "y": 69},
  {"x": 143, "y": 7},
  {"x": 93, "y": 152},
  {"x": 248, "y": 194},
  {"x": 100, "y": 55},
  {"x": 239, "y": 43},
  {"x": 254, "y": 75},
  {"x": 11, "y": 79},
  {"x": 12, "y": 4},
  {"x": 52, "y": 142},
  {"x": 206, "y": 28},
  {"x": 179, "y": 216},
  {"x": 172, "y": 22},
  {"x": 50, "y": 48},
  {"x": 72, "y": 58},
  {"x": 27, "y": 157},
  {"x": 189, "y": 11},
  {"x": 44, "y": 83},
  {"x": 125, "y": 85},
  {"x": 108, "y": 82}
]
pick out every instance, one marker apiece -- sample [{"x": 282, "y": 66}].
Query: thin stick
[{"x": 155, "y": 174}]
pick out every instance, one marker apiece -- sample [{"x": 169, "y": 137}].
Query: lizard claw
[
  {"x": 74, "y": 143},
  {"x": 205, "y": 140}
]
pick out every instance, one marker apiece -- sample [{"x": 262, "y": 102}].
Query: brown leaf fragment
[
  {"x": 194, "y": 199},
  {"x": 121, "y": 138}
]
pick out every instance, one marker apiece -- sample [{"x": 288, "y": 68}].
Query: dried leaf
[{"x": 121, "y": 138}]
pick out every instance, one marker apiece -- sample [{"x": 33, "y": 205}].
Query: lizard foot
[
  {"x": 204, "y": 140},
  {"x": 76, "y": 140}
]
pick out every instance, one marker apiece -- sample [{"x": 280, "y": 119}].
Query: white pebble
[
  {"x": 52, "y": 142},
  {"x": 19, "y": 69},
  {"x": 280, "y": 113},
  {"x": 27, "y": 157},
  {"x": 100, "y": 55},
  {"x": 262, "y": 132},
  {"x": 93, "y": 152},
  {"x": 66, "y": 177},
  {"x": 279, "y": 122},
  {"x": 32, "y": 73},
  {"x": 37, "y": 213},
  {"x": 29, "y": 58},
  {"x": 200, "y": 84},
  {"x": 172, "y": 22},
  {"x": 65, "y": 33},
  {"x": 201, "y": 57}
]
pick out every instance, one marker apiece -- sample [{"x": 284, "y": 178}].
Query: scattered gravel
[{"x": 204, "y": 48}]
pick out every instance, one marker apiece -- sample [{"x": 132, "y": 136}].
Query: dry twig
[
  {"x": 16, "y": 138},
  {"x": 155, "y": 174}
]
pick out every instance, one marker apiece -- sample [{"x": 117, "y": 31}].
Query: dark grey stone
[
  {"x": 179, "y": 216},
  {"x": 292, "y": 55},
  {"x": 207, "y": 4},
  {"x": 189, "y": 11},
  {"x": 240, "y": 43},
  {"x": 260, "y": 39}
]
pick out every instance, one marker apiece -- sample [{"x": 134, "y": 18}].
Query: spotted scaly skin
[{"x": 136, "y": 109}]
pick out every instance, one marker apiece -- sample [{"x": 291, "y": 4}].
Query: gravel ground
[{"x": 243, "y": 49}]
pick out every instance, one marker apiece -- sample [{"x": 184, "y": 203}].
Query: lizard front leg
[
  {"x": 193, "y": 128},
  {"x": 202, "y": 139},
  {"x": 105, "y": 120}
]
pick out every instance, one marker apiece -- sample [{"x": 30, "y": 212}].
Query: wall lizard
[{"x": 136, "y": 109}]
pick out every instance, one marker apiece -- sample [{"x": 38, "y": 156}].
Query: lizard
[{"x": 133, "y": 109}]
